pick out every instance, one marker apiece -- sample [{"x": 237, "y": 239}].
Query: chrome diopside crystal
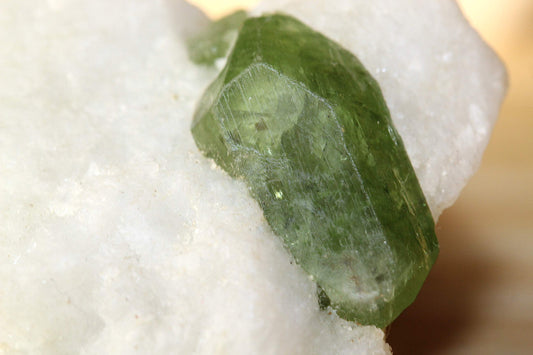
[{"x": 301, "y": 121}]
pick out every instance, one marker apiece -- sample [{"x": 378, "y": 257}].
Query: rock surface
[{"x": 116, "y": 235}]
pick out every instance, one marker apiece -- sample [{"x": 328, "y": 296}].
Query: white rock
[
  {"x": 116, "y": 235},
  {"x": 442, "y": 83}
]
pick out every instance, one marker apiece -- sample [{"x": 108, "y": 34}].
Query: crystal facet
[{"x": 302, "y": 122}]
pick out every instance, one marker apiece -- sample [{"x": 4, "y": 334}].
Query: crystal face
[{"x": 302, "y": 122}]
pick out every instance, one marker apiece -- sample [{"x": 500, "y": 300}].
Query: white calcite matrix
[{"x": 118, "y": 237}]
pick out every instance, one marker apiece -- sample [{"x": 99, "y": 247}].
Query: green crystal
[
  {"x": 215, "y": 41},
  {"x": 301, "y": 121}
]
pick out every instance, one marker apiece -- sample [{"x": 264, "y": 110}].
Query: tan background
[{"x": 478, "y": 298}]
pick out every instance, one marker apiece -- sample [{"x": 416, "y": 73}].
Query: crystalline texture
[{"x": 301, "y": 121}]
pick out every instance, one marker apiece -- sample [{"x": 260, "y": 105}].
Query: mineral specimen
[
  {"x": 443, "y": 85},
  {"x": 302, "y": 122}
]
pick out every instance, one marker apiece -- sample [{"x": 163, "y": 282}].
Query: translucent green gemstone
[
  {"x": 215, "y": 41},
  {"x": 302, "y": 122}
]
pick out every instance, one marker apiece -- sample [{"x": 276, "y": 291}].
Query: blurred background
[{"x": 478, "y": 298}]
